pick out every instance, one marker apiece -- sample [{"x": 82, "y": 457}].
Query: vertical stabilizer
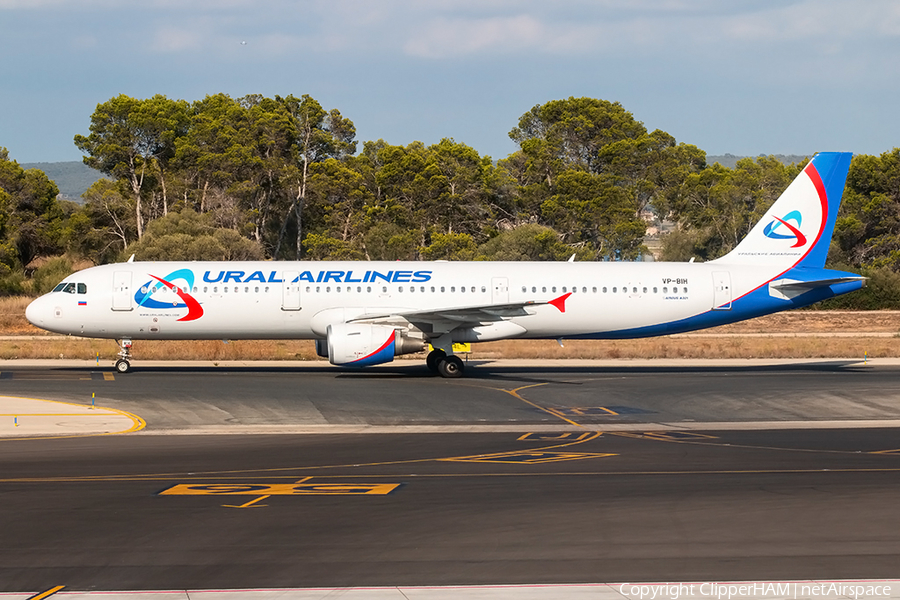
[{"x": 796, "y": 231}]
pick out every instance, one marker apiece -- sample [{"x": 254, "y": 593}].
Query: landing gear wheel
[
  {"x": 434, "y": 358},
  {"x": 451, "y": 367},
  {"x": 122, "y": 365}
]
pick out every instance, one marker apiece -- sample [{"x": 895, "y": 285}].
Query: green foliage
[
  {"x": 529, "y": 242},
  {"x": 882, "y": 292},
  {"x": 449, "y": 246},
  {"x": 716, "y": 207},
  {"x": 51, "y": 273},
  {"x": 191, "y": 236},
  {"x": 30, "y": 216}
]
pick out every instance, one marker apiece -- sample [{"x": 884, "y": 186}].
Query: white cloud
[
  {"x": 175, "y": 39},
  {"x": 445, "y": 37}
]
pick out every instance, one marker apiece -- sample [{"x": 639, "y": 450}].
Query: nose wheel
[{"x": 122, "y": 365}]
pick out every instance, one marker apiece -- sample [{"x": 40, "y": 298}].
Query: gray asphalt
[{"x": 110, "y": 512}]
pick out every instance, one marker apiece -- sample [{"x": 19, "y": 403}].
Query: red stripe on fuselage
[{"x": 195, "y": 311}]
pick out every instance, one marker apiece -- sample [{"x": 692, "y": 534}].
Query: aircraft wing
[{"x": 443, "y": 320}]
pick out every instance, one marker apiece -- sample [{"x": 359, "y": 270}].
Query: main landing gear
[
  {"x": 122, "y": 365},
  {"x": 449, "y": 366}
]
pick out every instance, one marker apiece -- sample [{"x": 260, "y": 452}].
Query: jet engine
[{"x": 362, "y": 345}]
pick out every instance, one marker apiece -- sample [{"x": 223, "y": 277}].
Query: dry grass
[{"x": 729, "y": 341}]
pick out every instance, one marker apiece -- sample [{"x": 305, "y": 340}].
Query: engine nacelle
[{"x": 362, "y": 345}]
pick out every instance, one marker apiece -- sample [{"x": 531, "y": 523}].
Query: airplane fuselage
[{"x": 298, "y": 300}]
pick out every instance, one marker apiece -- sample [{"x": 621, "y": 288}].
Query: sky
[{"x": 745, "y": 77}]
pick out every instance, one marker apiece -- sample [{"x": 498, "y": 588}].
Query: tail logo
[
  {"x": 774, "y": 230},
  {"x": 144, "y": 295}
]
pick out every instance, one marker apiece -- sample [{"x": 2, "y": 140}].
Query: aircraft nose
[{"x": 36, "y": 312}]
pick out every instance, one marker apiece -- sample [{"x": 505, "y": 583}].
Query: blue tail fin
[{"x": 796, "y": 231}]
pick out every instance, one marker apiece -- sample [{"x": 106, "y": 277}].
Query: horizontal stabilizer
[{"x": 786, "y": 289}]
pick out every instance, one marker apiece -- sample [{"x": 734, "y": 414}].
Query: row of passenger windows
[
  {"x": 433, "y": 289},
  {"x": 71, "y": 288},
  {"x": 605, "y": 289}
]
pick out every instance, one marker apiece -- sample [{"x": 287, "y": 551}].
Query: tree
[
  {"x": 528, "y": 242},
  {"x": 31, "y": 219},
  {"x": 192, "y": 236},
  {"x": 134, "y": 139},
  {"x": 715, "y": 208}
]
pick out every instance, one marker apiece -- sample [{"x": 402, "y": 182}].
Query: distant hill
[
  {"x": 72, "y": 178},
  {"x": 729, "y": 160}
]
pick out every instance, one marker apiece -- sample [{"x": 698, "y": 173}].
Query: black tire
[
  {"x": 123, "y": 366},
  {"x": 434, "y": 357},
  {"x": 451, "y": 367}
]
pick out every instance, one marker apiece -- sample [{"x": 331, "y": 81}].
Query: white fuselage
[{"x": 298, "y": 300}]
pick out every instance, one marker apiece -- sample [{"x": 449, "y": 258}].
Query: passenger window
[
  {"x": 483, "y": 289},
  {"x": 82, "y": 288},
  {"x": 595, "y": 289},
  {"x": 368, "y": 288},
  {"x": 614, "y": 290},
  {"x": 308, "y": 288},
  {"x": 654, "y": 290},
  {"x": 604, "y": 289},
  {"x": 665, "y": 290},
  {"x": 544, "y": 289},
  {"x": 473, "y": 289},
  {"x": 400, "y": 289},
  {"x": 524, "y": 289},
  {"x": 215, "y": 289},
  {"x": 442, "y": 289},
  {"x": 267, "y": 289},
  {"x": 432, "y": 289},
  {"x": 554, "y": 289},
  {"x": 645, "y": 290},
  {"x": 225, "y": 289},
  {"x": 684, "y": 290},
  {"x": 533, "y": 290},
  {"x": 205, "y": 288},
  {"x": 675, "y": 290},
  {"x": 634, "y": 290},
  {"x": 452, "y": 288},
  {"x": 564, "y": 289},
  {"x": 462, "y": 289}
]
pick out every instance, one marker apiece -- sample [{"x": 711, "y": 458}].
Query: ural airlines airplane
[{"x": 366, "y": 313}]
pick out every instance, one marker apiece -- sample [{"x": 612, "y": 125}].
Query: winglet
[{"x": 560, "y": 302}]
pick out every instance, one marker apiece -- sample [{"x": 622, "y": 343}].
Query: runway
[{"x": 567, "y": 476}]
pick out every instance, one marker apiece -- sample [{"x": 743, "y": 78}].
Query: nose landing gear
[{"x": 122, "y": 365}]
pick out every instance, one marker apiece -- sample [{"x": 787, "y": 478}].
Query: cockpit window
[
  {"x": 69, "y": 289},
  {"x": 59, "y": 287},
  {"x": 82, "y": 288}
]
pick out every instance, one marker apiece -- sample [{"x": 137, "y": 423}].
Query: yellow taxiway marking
[
  {"x": 515, "y": 394},
  {"x": 46, "y": 593},
  {"x": 555, "y": 437},
  {"x": 526, "y": 457},
  {"x": 280, "y": 489},
  {"x": 253, "y": 503}
]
